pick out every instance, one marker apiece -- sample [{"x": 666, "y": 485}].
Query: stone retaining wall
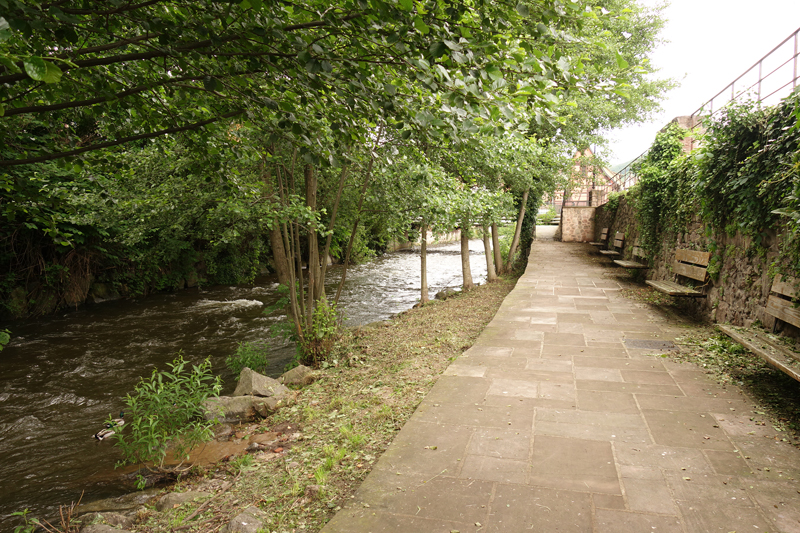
[
  {"x": 739, "y": 281},
  {"x": 577, "y": 224}
]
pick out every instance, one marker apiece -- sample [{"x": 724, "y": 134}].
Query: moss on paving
[{"x": 341, "y": 423}]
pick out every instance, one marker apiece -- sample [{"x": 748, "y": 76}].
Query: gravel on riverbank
[{"x": 339, "y": 425}]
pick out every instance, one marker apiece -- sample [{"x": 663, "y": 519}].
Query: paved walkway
[{"x": 559, "y": 420}]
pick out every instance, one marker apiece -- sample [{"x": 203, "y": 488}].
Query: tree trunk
[
  {"x": 498, "y": 255},
  {"x": 423, "y": 256},
  {"x": 279, "y": 257},
  {"x": 465, "y": 270},
  {"x": 327, "y": 250},
  {"x": 313, "y": 242},
  {"x": 518, "y": 231},
  {"x": 491, "y": 275}
]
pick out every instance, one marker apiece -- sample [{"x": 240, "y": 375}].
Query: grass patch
[{"x": 348, "y": 416}]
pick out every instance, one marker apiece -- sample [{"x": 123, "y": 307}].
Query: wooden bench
[
  {"x": 690, "y": 264},
  {"x": 613, "y": 249},
  {"x": 603, "y": 239},
  {"x": 779, "y": 305},
  {"x": 638, "y": 251}
]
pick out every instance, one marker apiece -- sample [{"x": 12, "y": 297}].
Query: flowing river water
[{"x": 61, "y": 376}]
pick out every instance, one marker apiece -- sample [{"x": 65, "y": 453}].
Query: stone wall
[
  {"x": 739, "y": 281},
  {"x": 577, "y": 224}
]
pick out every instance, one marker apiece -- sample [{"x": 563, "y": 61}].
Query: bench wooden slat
[
  {"x": 758, "y": 343},
  {"x": 603, "y": 238},
  {"x": 630, "y": 264},
  {"x": 692, "y": 256},
  {"x": 690, "y": 271},
  {"x": 783, "y": 309},
  {"x": 673, "y": 289},
  {"x": 784, "y": 287},
  {"x": 612, "y": 253}
]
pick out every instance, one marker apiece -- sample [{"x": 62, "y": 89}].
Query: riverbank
[{"x": 339, "y": 425}]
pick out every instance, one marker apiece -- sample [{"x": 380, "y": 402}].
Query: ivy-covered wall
[
  {"x": 739, "y": 286},
  {"x": 736, "y": 196}
]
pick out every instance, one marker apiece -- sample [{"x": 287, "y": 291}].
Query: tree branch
[{"x": 117, "y": 142}]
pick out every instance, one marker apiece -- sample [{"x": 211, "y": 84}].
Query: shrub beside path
[{"x": 564, "y": 416}]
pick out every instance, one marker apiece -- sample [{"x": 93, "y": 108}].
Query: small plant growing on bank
[
  {"x": 166, "y": 413},
  {"x": 248, "y": 354},
  {"x": 317, "y": 337},
  {"x": 320, "y": 337}
]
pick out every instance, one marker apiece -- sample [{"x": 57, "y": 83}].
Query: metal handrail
[{"x": 627, "y": 179}]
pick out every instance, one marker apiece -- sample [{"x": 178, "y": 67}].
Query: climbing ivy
[
  {"x": 743, "y": 179},
  {"x": 656, "y": 193}
]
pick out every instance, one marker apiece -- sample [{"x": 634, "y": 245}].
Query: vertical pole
[
  {"x": 794, "y": 78},
  {"x": 760, "y": 64}
]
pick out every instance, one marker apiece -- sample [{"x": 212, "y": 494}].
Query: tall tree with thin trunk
[
  {"x": 518, "y": 231},
  {"x": 498, "y": 254},
  {"x": 466, "y": 271},
  {"x": 491, "y": 274},
  {"x": 424, "y": 297}
]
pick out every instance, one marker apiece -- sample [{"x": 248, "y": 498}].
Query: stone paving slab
[{"x": 556, "y": 420}]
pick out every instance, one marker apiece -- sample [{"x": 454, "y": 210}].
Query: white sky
[{"x": 711, "y": 42}]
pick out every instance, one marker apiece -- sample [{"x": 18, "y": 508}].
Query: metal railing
[{"x": 782, "y": 64}]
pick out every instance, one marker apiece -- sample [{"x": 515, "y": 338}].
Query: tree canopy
[{"x": 141, "y": 137}]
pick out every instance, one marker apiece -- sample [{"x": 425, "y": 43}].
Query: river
[{"x": 61, "y": 376}]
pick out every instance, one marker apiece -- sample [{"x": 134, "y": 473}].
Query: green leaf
[
  {"x": 210, "y": 83},
  {"x": 420, "y": 25},
  {"x": 493, "y": 72},
  {"x": 406, "y": 5},
  {"x": 36, "y": 68},
  {"x": 9, "y": 64},
  {"x": 621, "y": 63},
  {"x": 41, "y": 70},
  {"x": 4, "y": 24},
  {"x": 523, "y": 10}
]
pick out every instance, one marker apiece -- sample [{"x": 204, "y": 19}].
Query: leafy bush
[
  {"x": 548, "y": 217},
  {"x": 318, "y": 339},
  {"x": 248, "y": 354},
  {"x": 5, "y": 336},
  {"x": 613, "y": 200},
  {"x": 165, "y": 412}
]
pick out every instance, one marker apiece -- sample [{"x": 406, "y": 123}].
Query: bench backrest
[
  {"x": 780, "y": 303},
  {"x": 619, "y": 238},
  {"x": 691, "y": 264},
  {"x": 604, "y": 235}
]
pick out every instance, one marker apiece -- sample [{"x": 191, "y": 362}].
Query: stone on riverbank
[
  {"x": 254, "y": 384},
  {"x": 118, "y": 520},
  {"x": 231, "y": 409},
  {"x": 237, "y": 409},
  {"x": 102, "y": 528},
  {"x": 174, "y": 499},
  {"x": 121, "y": 503},
  {"x": 298, "y": 376},
  {"x": 445, "y": 294},
  {"x": 251, "y": 520}
]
